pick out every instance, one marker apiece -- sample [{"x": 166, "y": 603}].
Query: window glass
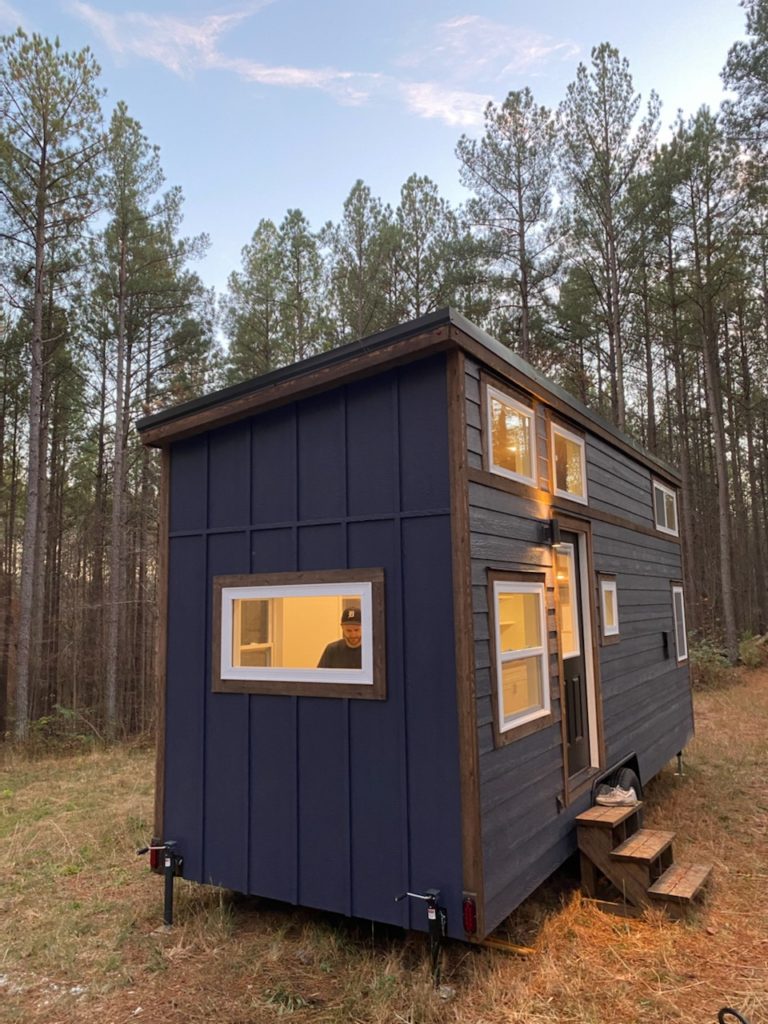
[
  {"x": 565, "y": 577},
  {"x": 665, "y": 508},
  {"x": 511, "y": 432},
  {"x": 520, "y": 621},
  {"x": 521, "y": 686},
  {"x": 670, "y": 511},
  {"x": 521, "y": 656},
  {"x": 289, "y": 632},
  {"x": 681, "y": 639},
  {"x": 609, "y": 607},
  {"x": 570, "y": 470}
]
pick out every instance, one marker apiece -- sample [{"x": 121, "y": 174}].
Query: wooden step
[
  {"x": 606, "y": 817},
  {"x": 643, "y": 846},
  {"x": 681, "y": 882}
]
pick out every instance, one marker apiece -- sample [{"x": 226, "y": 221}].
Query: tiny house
[{"x": 498, "y": 569}]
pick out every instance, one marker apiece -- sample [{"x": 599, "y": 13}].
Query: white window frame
[
  {"x": 677, "y": 588},
  {"x": 362, "y": 675},
  {"x": 519, "y": 587},
  {"x": 666, "y": 491},
  {"x": 609, "y": 587},
  {"x": 513, "y": 403},
  {"x": 556, "y": 428}
]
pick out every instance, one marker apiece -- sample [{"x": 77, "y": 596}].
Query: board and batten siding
[
  {"x": 526, "y": 832},
  {"x": 323, "y": 802}
]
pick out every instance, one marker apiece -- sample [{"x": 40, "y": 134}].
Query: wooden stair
[{"x": 638, "y": 863}]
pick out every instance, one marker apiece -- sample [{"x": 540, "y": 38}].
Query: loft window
[
  {"x": 681, "y": 636},
  {"x": 512, "y": 437},
  {"x": 609, "y": 608},
  {"x": 570, "y": 464},
  {"x": 665, "y": 508},
  {"x": 522, "y": 676},
  {"x": 300, "y": 633}
]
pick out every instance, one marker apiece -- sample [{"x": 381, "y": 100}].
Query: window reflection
[{"x": 511, "y": 436}]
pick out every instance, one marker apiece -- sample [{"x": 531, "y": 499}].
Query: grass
[{"x": 79, "y": 914}]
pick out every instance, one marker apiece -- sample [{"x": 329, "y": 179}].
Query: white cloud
[
  {"x": 10, "y": 18},
  {"x": 179, "y": 45},
  {"x": 474, "y": 48},
  {"x": 186, "y": 46},
  {"x": 427, "y": 99}
]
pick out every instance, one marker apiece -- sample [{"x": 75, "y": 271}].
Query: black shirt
[{"x": 340, "y": 655}]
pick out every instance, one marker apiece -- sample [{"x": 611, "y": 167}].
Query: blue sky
[{"x": 259, "y": 106}]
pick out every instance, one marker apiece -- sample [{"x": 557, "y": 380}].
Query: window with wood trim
[
  {"x": 678, "y": 610},
  {"x": 665, "y": 508},
  {"x": 569, "y": 464},
  {"x": 511, "y": 437},
  {"x": 609, "y": 608},
  {"x": 300, "y": 633},
  {"x": 522, "y": 674}
]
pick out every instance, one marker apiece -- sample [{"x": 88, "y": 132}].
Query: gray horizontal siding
[{"x": 645, "y": 696}]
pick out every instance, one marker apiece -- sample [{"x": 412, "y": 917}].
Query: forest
[{"x": 628, "y": 263}]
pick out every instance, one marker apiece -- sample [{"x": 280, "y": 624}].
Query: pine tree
[{"x": 50, "y": 147}]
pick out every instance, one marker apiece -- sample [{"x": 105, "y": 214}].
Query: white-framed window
[
  {"x": 665, "y": 508},
  {"x": 609, "y": 607},
  {"x": 300, "y": 633},
  {"x": 511, "y": 437},
  {"x": 569, "y": 464},
  {"x": 678, "y": 609},
  {"x": 522, "y": 674}
]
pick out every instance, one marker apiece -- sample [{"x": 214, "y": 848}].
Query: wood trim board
[{"x": 466, "y": 700}]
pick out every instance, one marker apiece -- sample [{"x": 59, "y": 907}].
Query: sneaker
[{"x": 616, "y": 796}]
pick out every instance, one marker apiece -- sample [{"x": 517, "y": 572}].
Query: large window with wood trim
[
  {"x": 511, "y": 437},
  {"x": 665, "y": 508},
  {"x": 569, "y": 464},
  {"x": 300, "y": 633},
  {"x": 681, "y": 635},
  {"x": 522, "y": 675}
]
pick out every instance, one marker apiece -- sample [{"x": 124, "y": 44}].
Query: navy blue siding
[
  {"x": 324, "y": 802},
  {"x": 185, "y": 699}
]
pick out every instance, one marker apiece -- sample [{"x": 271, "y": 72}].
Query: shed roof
[{"x": 439, "y": 331}]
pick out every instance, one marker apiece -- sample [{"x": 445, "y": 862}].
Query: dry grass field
[{"x": 79, "y": 915}]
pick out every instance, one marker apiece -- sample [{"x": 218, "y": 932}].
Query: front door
[{"x": 568, "y": 575}]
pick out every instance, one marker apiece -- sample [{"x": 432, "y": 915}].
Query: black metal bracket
[
  {"x": 172, "y": 865},
  {"x": 437, "y": 925}
]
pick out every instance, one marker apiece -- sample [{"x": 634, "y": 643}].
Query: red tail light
[{"x": 469, "y": 910}]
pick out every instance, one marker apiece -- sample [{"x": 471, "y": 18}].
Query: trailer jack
[
  {"x": 437, "y": 921},
  {"x": 172, "y": 864}
]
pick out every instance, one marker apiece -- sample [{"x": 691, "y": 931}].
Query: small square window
[
  {"x": 569, "y": 464},
  {"x": 681, "y": 636},
  {"x": 512, "y": 437},
  {"x": 665, "y": 508},
  {"x": 300, "y": 633},
  {"x": 609, "y": 608},
  {"x": 522, "y": 675}
]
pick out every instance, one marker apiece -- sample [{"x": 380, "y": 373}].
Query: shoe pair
[{"x": 615, "y": 796}]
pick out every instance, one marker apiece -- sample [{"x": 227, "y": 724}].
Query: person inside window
[{"x": 347, "y": 652}]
